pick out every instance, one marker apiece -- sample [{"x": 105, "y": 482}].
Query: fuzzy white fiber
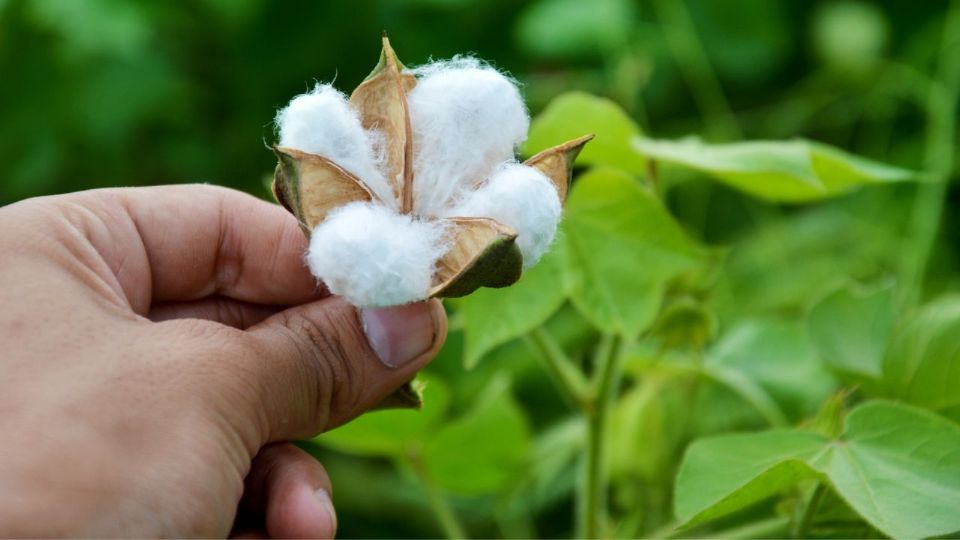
[
  {"x": 373, "y": 256},
  {"x": 521, "y": 197},
  {"x": 466, "y": 117},
  {"x": 323, "y": 122}
]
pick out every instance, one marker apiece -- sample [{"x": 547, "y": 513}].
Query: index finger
[{"x": 188, "y": 242}]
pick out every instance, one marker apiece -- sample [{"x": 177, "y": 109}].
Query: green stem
[
  {"x": 593, "y": 508},
  {"x": 681, "y": 36},
  {"x": 446, "y": 518},
  {"x": 944, "y": 92},
  {"x": 810, "y": 512},
  {"x": 774, "y": 527},
  {"x": 567, "y": 378}
]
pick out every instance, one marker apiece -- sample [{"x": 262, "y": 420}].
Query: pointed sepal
[
  {"x": 557, "y": 163},
  {"x": 381, "y": 100},
  {"x": 311, "y": 186},
  {"x": 482, "y": 253}
]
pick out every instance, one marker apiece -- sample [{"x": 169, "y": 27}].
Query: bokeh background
[
  {"x": 117, "y": 92},
  {"x": 100, "y": 93}
]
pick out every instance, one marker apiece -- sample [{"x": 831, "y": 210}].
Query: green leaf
[
  {"x": 482, "y": 451},
  {"x": 850, "y": 329},
  {"x": 720, "y": 475},
  {"x": 771, "y": 364},
  {"x": 747, "y": 390},
  {"x": 789, "y": 261},
  {"x": 922, "y": 365},
  {"x": 623, "y": 247},
  {"x": 783, "y": 171},
  {"x": 574, "y": 114},
  {"x": 493, "y": 317},
  {"x": 644, "y": 437},
  {"x": 390, "y": 432},
  {"x": 575, "y": 29},
  {"x": 897, "y": 466}
]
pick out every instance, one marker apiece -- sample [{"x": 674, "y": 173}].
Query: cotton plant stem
[
  {"x": 691, "y": 57},
  {"x": 446, "y": 518},
  {"x": 940, "y": 136},
  {"x": 593, "y": 507},
  {"x": 567, "y": 378},
  {"x": 775, "y": 527},
  {"x": 810, "y": 512},
  {"x": 593, "y": 400}
]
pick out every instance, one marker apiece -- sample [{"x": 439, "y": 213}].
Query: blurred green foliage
[
  {"x": 689, "y": 295},
  {"x": 116, "y": 92}
]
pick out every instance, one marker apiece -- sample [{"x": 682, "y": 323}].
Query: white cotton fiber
[
  {"x": 521, "y": 197},
  {"x": 373, "y": 256},
  {"x": 323, "y": 122},
  {"x": 466, "y": 118}
]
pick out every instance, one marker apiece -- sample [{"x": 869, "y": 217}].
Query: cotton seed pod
[{"x": 477, "y": 251}]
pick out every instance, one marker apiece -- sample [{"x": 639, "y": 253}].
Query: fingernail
[
  {"x": 327, "y": 505},
  {"x": 403, "y": 333}
]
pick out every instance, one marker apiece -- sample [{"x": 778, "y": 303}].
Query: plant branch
[
  {"x": 567, "y": 378},
  {"x": 446, "y": 518},
  {"x": 942, "y": 98},
  {"x": 810, "y": 512},
  {"x": 593, "y": 508}
]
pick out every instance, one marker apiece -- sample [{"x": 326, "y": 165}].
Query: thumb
[{"x": 324, "y": 363}]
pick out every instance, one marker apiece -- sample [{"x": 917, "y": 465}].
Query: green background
[
  {"x": 115, "y": 92},
  {"x": 737, "y": 308}
]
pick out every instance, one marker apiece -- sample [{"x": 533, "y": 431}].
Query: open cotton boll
[
  {"x": 373, "y": 256},
  {"x": 521, "y": 197},
  {"x": 466, "y": 118},
  {"x": 323, "y": 122}
]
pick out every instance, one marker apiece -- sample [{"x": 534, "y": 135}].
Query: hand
[{"x": 158, "y": 346}]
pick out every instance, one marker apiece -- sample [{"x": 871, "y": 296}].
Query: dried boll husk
[
  {"x": 557, "y": 163},
  {"x": 381, "y": 100},
  {"x": 481, "y": 253}
]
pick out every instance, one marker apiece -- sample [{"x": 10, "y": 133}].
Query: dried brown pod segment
[
  {"x": 557, "y": 163},
  {"x": 311, "y": 186},
  {"x": 483, "y": 253},
  {"x": 381, "y": 100}
]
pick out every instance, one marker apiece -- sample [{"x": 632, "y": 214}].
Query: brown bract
[{"x": 482, "y": 251}]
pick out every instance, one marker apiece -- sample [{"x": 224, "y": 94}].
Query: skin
[{"x": 159, "y": 346}]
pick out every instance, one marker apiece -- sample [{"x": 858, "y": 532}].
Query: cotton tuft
[
  {"x": 466, "y": 118},
  {"x": 323, "y": 122},
  {"x": 521, "y": 197},
  {"x": 373, "y": 256}
]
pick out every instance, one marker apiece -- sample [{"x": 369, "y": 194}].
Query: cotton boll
[
  {"x": 466, "y": 118},
  {"x": 521, "y": 197},
  {"x": 323, "y": 122},
  {"x": 373, "y": 256}
]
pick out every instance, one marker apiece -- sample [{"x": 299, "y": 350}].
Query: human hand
[{"x": 158, "y": 346}]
